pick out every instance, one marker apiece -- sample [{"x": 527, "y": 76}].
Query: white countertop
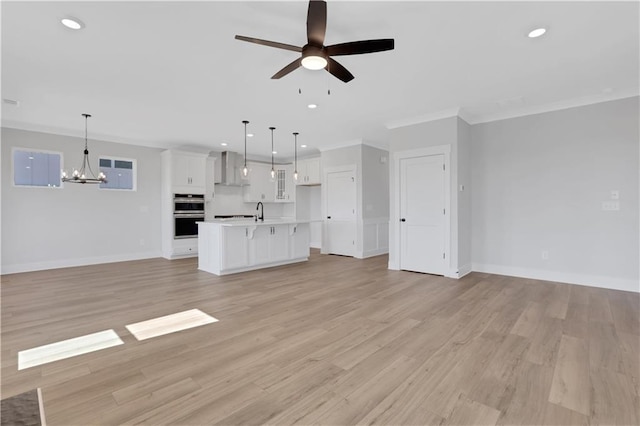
[{"x": 252, "y": 222}]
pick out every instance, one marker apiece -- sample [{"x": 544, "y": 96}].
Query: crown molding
[
  {"x": 555, "y": 106},
  {"x": 423, "y": 118},
  {"x": 345, "y": 144},
  {"x": 19, "y": 125},
  {"x": 472, "y": 119}
]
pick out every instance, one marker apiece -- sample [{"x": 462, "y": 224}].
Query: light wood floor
[{"x": 335, "y": 341}]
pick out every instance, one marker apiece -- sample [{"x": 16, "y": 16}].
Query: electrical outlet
[
  {"x": 615, "y": 194},
  {"x": 610, "y": 206},
  {"x": 545, "y": 255},
  {"x": 141, "y": 241}
]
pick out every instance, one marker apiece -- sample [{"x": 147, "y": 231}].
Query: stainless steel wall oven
[{"x": 188, "y": 209}]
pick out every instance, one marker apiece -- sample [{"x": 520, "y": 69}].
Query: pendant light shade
[
  {"x": 245, "y": 170},
  {"x": 273, "y": 170},
  {"x": 295, "y": 155},
  {"x": 84, "y": 174}
]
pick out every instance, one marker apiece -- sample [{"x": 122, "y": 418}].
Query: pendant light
[
  {"x": 83, "y": 175},
  {"x": 273, "y": 170},
  {"x": 245, "y": 170},
  {"x": 295, "y": 156}
]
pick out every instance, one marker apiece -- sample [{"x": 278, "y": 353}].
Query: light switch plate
[{"x": 615, "y": 194}]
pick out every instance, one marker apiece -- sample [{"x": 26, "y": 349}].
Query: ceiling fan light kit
[{"x": 315, "y": 55}]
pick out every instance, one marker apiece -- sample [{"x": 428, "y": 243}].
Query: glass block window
[
  {"x": 121, "y": 173},
  {"x": 36, "y": 168}
]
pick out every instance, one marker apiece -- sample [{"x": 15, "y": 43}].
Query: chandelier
[{"x": 80, "y": 175}]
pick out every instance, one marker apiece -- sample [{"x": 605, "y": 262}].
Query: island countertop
[{"x": 252, "y": 222}]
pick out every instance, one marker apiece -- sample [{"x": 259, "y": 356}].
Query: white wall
[
  {"x": 538, "y": 185},
  {"x": 45, "y": 228}
]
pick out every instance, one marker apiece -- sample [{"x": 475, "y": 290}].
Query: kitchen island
[{"x": 231, "y": 246}]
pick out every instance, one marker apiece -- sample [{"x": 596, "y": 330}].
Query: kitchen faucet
[{"x": 261, "y": 215}]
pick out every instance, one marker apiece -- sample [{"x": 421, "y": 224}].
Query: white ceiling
[{"x": 171, "y": 73}]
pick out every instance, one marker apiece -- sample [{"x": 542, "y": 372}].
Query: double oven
[{"x": 188, "y": 209}]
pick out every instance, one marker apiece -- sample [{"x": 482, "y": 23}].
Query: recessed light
[
  {"x": 537, "y": 32},
  {"x": 312, "y": 106},
  {"x": 249, "y": 135},
  {"x": 30, "y": 157},
  {"x": 73, "y": 23},
  {"x": 223, "y": 144},
  {"x": 303, "y": 146},
  {"x": 274, "y": 152}
]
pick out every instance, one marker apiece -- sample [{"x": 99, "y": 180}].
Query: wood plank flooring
[{"x": 335, "y": 341}]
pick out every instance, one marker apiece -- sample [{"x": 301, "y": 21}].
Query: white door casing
[
  {"x": 340, "y": 212},
  {"x": 422, "y": 214}
]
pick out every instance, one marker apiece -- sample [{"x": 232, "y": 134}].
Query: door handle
[
  {"x": 328, "y": 217},
  {"x": 403, "y": 220}
]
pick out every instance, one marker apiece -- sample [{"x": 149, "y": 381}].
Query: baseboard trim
[
  {"x": 70, "y": 263},
  {"x": 561, "y": 277},
  {"x": 464, "y": 270},
  {"x": 376, "y": 252}
]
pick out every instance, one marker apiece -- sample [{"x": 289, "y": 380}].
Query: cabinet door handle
[
  {"x": 403, "y": 220},
  {"x": 328, "y": 217}
]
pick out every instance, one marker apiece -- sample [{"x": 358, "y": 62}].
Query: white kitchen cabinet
[
  {"x": 260, "y": 187},
  {"x": 235, "y": 244},
  {"x": 299, "y": 240},
  {"x": 182, "y": 173},
  {"x": 184, "y": 247},
  {"x": 285, "y": 191},
  {"x": 227, "y": 248},
  {"x": 268, "y": 244},
  {"x": 187, "y": 171},
  {"x": 309, "y": 171}
]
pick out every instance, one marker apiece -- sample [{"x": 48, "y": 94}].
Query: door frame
[
  {"x": 323, "y": 201},
  {"x": 394, "y": 225}
]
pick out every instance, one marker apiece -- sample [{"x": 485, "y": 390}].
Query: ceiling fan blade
[
  {"x": 269, "y": 43},
  {"x": 316, "y": 22},
  {"x": 360, "y": 47},
  {"x": 339, "y": 71},
  {"x": 286, "y": 70}
]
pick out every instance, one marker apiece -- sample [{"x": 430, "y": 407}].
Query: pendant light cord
[
  {"x": 295, "y": 152},
  {"x": 272, "y": 129},
  {"x": 245, "y": 122}
]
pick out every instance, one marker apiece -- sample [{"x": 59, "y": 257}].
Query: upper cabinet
[
  {"x": 262, "y": 188},
  {"x": 284, "y": 184},
  {"x": 309, "y": 171},
  {"x": 187, "y": 171}
]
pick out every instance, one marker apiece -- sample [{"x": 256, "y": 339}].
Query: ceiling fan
[{"x": 315, "y": 55}]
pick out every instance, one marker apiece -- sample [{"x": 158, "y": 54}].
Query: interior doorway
[{"x": 340, "y": 217}]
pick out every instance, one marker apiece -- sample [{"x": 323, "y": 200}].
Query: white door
[
  {"x": 341, "y": 213},
  {"x": 422, "y": 214}
]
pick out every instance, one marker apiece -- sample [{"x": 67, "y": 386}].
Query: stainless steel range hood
[{"x": 231, "y": 169}]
